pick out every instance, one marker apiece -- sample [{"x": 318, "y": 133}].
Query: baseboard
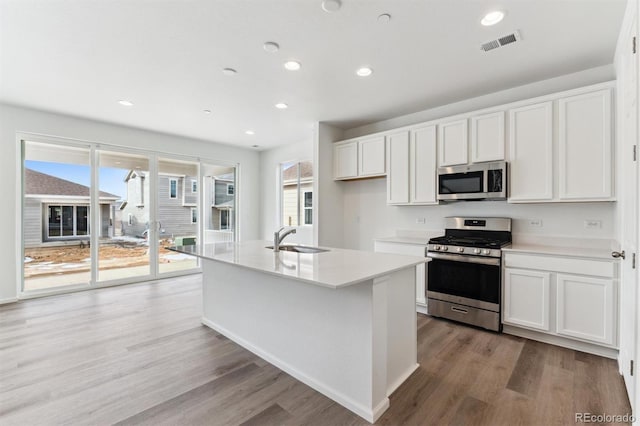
[
  {"x": 400, "y": 380},
  {"x": 561, "y": 341},
  {"x": 421, "y": 309},
  {"x": 370, "y": 415},
  {"x": 9, "y": 300}
]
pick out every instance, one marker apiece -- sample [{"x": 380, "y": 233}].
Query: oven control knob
[
  {"x": 486, "y": 251},
  {"x": 445, "y": 248},
  {"x": 437, "y": 248},
  {"x": 460, "y": 249},
  {"x": 476, "y": 251}
]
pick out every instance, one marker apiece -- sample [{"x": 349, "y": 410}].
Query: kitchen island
[{"x": 341, "y": 321}]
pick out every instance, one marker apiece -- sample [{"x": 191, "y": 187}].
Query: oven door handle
[{"x": 493, "y": 261}]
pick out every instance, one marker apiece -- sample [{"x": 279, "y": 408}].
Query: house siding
[
  {"x": 221, "y": 196},
  {"x": 33, "y": 219},
  {"x": 190, "y": 197}
]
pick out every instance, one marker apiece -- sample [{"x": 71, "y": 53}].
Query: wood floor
[{"x": 137, "y": 354}]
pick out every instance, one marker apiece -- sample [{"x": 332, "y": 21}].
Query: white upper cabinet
[
  {"x": 345, "y": 160},
  {"x": 585, "y": 146},
  {"x": 487, "y": 137},
  {"x": 422, "y": 167},
  {"x": 371, "y": 157},
  {"x": 398, "y": 166},
  {"x": 359, "y": 159},
  {"x": 453, "y": 143},
  {"x": 531, "y": 152}
]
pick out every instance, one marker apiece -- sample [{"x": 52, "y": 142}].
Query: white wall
[
  {"x": 270, "y": 161},
  {"x": 367, "y": 216},
  {"x": 15, "y": 119}
]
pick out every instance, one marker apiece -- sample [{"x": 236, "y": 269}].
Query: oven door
[
  {"x": 466, "y": 280},
  {"x": 462, "y": 186}
]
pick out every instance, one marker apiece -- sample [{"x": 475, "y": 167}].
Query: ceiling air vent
[{"x": 501, "y": 41}]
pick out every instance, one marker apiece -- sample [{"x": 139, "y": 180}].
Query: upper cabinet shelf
[{"x": 560, "y": 148}]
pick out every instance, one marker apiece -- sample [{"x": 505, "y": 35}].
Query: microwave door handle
[{"x": 485, "y": 178}]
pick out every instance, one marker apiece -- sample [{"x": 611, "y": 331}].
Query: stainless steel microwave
[{"x": 483, "y": 181}]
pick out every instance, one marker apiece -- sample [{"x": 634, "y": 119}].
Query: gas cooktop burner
[{"x": 469, "y": 242}]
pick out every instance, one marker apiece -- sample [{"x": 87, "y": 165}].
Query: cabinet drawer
[{"x": 597, "y": 268}]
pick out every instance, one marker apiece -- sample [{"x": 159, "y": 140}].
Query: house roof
[
  {"x": 306, "y": 171},
  {"x": 37, "y": 183}
]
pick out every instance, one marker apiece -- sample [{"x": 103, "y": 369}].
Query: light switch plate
[
  {"x": 535, "y": 223},
  {"x": 421, "y": 220}
]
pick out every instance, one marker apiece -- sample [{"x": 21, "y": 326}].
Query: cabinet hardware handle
[
  {"x": 459, "y": 310},
  {"x": 617, "y": 254}
]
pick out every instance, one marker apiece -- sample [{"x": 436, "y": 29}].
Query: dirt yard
[{"x": 43, "y": 261}]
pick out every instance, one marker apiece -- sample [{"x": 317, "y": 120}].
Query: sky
[{"x": 110, "y": 180}]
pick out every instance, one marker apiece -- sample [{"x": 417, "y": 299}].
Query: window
[
  {"x": 230, "y": 189},
  {"x": 173, "y": 188},
  {"x": 296, "y": 193},
  {"x": 307, "y": 205},
  {"x": 224, "y": 219},
  {"x": 194, "y": 186},
  {"x": 67, "y": 221},
  {"x": 130, "y": 219},
  {"x": 194, "y": 215}
]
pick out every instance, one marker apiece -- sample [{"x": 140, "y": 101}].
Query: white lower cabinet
[
  {"x": 573, "y": 298},
  {"x": 421, "y": 271},
  {"x": 526, "y": 298}
]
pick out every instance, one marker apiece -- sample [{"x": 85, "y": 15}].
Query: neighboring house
[
  {"x": 177, "y": 205},
  {"x": 290, "y": 195},
  {"x": 57, "y": 210},
  {"x": 223, "y": 205}
]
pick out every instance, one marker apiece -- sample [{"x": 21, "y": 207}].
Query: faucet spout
[{"x": 278, "y": 236}]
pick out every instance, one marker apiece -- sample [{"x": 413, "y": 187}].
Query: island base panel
[{"x": 355, "y": 344}]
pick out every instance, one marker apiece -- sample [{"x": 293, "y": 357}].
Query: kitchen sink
[{"x": 299, "y": 249}]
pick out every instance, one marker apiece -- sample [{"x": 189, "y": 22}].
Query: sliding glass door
[
  {"x": 95, "y": 215},
  {"x": 178, "y": 223},
  {"x": 123, "y": 250},
  {"x": 55, "y": 216}
]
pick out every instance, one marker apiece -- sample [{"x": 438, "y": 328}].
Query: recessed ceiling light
[
  {"x": 384, "y": 18},
  {"x": 207, "y": 111},
  {"x": 126, "y": 103},
  {"x": 492, "y": 18},
  {"x": 229, "y": 71},
  {"x": 292, "y": 65},
  {"x": 281, "y": 105},
  {"x": 250, "y": 132},
  {"x": 364, "y": 72},
  {"x": 118, "y": 162},
  {"x": 271, "y": 47},
  {"x": 331, "y": 5}
]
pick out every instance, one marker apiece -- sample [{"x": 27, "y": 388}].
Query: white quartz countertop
[
  {"x": 335, "y": 268},
  {"x": 422, "y": 241},
  {"x": 585, "y": 252}
]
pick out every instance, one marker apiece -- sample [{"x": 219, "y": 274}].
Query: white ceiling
[{"x": 80, "y": 57}]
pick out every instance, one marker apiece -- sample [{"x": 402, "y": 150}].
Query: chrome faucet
[{"x": 277, "y": 237}]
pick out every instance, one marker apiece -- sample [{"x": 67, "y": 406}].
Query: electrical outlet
[
  {"x": 421, "y": 220},
  {"x": 592, "y": 224},
  {"x": 535, "y": 223}
]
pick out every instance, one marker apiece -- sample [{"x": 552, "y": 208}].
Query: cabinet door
[
  {"x": 423, "y": 166},
  {"x": 409, "y": 250},
  {"x": 526, "y": 298},
  {"x": 345, "y": 160},
  {"x": 487, "y": 137},
  {"x": 531, "y": 153},
  {"x": 371, "y": 158},
  {"x": 586, "y": 308},
  {"x": 585, "y": 147},
  {"x": 398, "y": 167},
  {"x": 452, "y": 143}
]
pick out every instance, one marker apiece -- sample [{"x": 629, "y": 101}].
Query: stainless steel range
[{"x": 464, "y": 278}]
